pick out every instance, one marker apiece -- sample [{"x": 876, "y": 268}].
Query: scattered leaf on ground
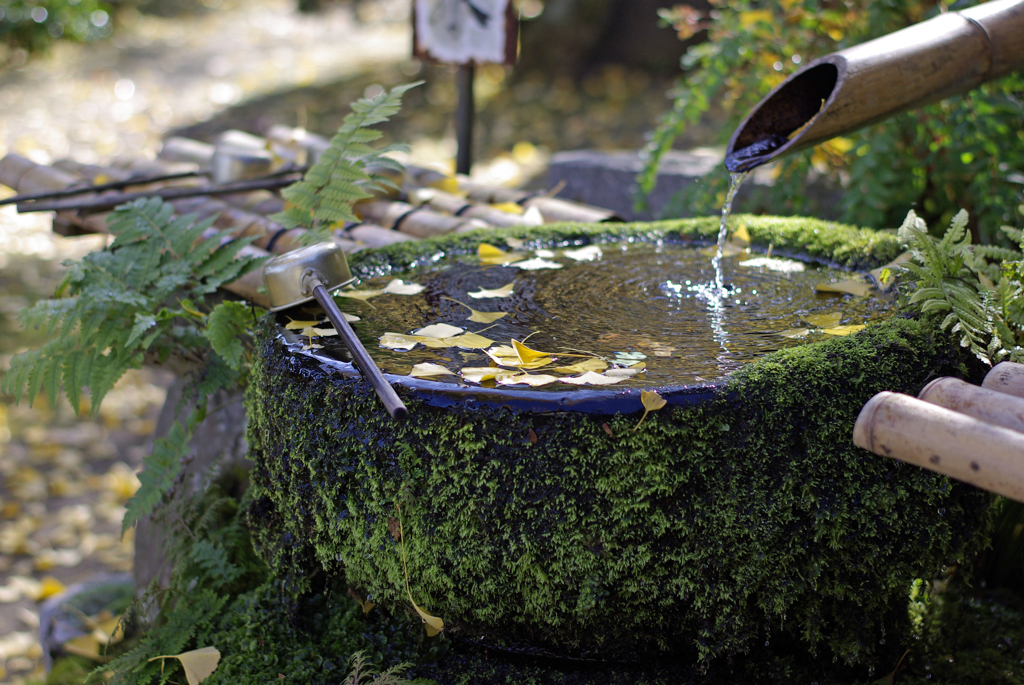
[
  {"x": 589, "y": 253},
  {"x": 843, "y": 330},
  {"x": 439, "y": 330},
  {"x": 786, "y": 266},
  {"x": 536, "y": 264},
  {"x": 429, "y": 370},
  {"x": 198, "y": 664},
  {"x": 591, "y": 378},
  {"x": 503, "y": 291},
  {"x": 823, "y": 320},
  {"x": 652, "y": 401},
  {"x": 858, "y": 288}
]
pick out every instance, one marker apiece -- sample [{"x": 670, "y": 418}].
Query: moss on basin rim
[{"x": 747, "y": 518}]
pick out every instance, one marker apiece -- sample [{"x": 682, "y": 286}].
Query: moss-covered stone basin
[{"x": 739, "y": 514}]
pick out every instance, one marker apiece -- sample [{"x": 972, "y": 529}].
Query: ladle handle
[{"x": 366, "y": 365}]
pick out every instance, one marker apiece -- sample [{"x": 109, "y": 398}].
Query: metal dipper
[{"x": 312, "y": 273}]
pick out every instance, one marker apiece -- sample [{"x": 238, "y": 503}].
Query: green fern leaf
[
  {"x": 160, "y": 468},
  {"x": 225, "y": 327}
]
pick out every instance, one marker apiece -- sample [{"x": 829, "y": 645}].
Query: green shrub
[
  {"x": 965, "y": 152},
  {"x": 32, "y": 25}
]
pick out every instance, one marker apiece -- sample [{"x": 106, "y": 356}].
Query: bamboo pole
[
  {"x": 416, "y": 221},
  {"x": 839, "y": 93},
  {"x": 939, "y": 439},
  {"x": 458, "y": 206},
  {"x": 983, "y": 404},
  {"x": 1006, "y": 377}
]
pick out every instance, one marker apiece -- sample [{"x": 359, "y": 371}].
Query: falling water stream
[{"x": 735, "y": 181}]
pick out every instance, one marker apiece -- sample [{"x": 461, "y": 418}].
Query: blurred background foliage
[
  {"x": 965, "y": 152},
  {"x": 33, "y": 25}
]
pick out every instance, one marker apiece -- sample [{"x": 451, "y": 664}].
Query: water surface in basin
[{"x": 636, "y": 302}]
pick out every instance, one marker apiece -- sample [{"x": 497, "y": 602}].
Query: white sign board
[{"x": 465, "y": 31}]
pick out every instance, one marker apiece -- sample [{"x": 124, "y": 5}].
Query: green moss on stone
[{"x": 713, "y": 528}]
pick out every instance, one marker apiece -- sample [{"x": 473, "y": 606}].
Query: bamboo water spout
[{"x": 839, "y": 93}]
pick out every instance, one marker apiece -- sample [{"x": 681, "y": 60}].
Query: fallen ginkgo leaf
[
  {"x": 479, "y": 374},
  {"x": 399, "y": 341},
  {"x": 796, "y": 333},
  {"x": 525, "y": 354},
  {"x": 439, "y": 330},
  {"x": 480, "y": 317},
  {"x": 652, "y": 401},
  {"x": 400, "y": 287},
  {"x": 591, "y": 378},
  {"x": 823, "y": 320},
  {"x": 469, "y": 341},
  {"x": 503, "y": 291},
  {"x": 533, "y": 380},
  {"x": 198, "y": 664},
  {"x": 429, "y": 370},
  {"x": 589, "y": 253},
  {"x": 592, "y": 364},
  {"x": 489, "y": 254},
  {"x": 843, "y": 330},
  {"x": 536, "y": 264}
]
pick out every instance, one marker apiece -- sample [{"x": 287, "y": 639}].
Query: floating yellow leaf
[
  {"x": 479, "y": 374},
  {"x": 823, "y": 320},
  {"x": 311, "y": 346},
  {"x": 428, "y": 370},
  {"x": 858, "y": 288},
  {"x": 796, "y": 333},
  {"x": 359, "y": 294},
  {"x": 504, "y": 351},
  {"x": 652, "y": 401},
  {"x": 525, "y": 354},
  {"x": 535, "y": 380},
  {"x": 439, "y": 330},
  {"x": 319, "y": 332},
  {"x": 509, "y": 207},
  {"x": 591, "y": 378},
  {"x": 592, "y": 364},
  {"x": 589, "y": 253},
  {"x": 843, "y": 330},
  {"x": 503, "y": 291},
  {"x": 489, "y": 254},
  {"x": 785, "y": 266},
  {"x": 294, "y": 325},
  {"x": 469, "y": 341},
  {"x": 399, "y": 341},
  {"x": 514, "y": 360},
  {"x": 741, "y": 235},
  {"x": 626, "y": 372},
  {"x": 198, "y": 664},
  {"x": 480, "y": 317},
  {"x": 536, "y": 264},
  {"x": 400, "y": 287}
]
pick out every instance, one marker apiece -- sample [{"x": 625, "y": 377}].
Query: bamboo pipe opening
[{"x": 768, "y": 130}]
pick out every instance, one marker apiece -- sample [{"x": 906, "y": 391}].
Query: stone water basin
[{"x": 547, "y": 517}]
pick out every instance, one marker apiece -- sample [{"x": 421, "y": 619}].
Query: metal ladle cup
[{"x": 311, "y": 273}]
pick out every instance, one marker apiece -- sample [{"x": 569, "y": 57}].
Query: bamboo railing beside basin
[{"x": 974, "y": 434}]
